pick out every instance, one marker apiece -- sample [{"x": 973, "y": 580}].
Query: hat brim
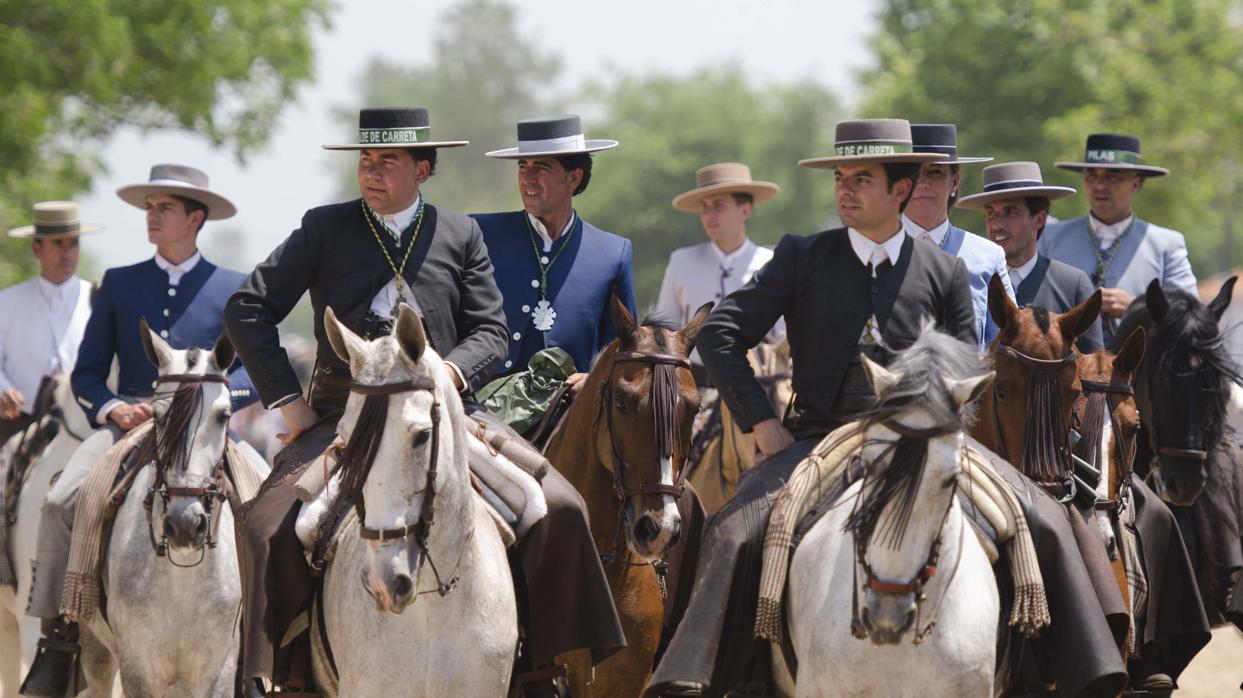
[
  {"x": 591, "y": 146},
  {"x": 218, "y": 207},
  {"x": 977, "y": 201},
  {"x": 392, "y": 146},
  {"x": 829, "y": 163},
  {"x": 965, "y": 161},
  {"x": 27, "y": 232},
  {"x": 760, "y": 192},
  {"x": 1141, "y": 170}
]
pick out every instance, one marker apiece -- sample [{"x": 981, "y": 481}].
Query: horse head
[
  {"x": 191, "y": 414},
  {"x": 1106, "y": 414},
  {"x": 912, "y": 444},
  {"x": 646, "y": 403},
  {"x": 404, "y": 460},
  {"x": 1028, "y": 412},
  {"x": 1191, "y": 374}
]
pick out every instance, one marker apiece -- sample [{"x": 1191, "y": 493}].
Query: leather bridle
[
  {"x": 211, "y": 493},
  {"x": 664, "y": 401},
  {"x": 1043, "y": 369},
  {"x": 1091, "y": 388}
]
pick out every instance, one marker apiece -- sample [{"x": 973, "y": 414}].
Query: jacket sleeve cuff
[
  {"x": 281, "y": 402},
  {"x": 461, "y": 378}
]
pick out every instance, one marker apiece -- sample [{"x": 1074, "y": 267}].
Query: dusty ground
[{"x": 1217, "y": 671}]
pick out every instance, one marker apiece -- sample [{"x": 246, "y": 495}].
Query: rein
[
  {"x": 926, "y": 571},
  {"x": 664, "y": 394},
  {"x": 1044, "y": 442},
  {"x": 421, "y": 529},
  {"x": 214, "y": 491}
]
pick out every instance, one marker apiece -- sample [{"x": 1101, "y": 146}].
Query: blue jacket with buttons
[
  {"x": 186, "y": 315},
  {"x": 592, "y": 265}
]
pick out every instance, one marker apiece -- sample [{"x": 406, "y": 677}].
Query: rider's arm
[
  {"x": 623, "y": 286},
  {"x": 90, "y": 375},
  {"x": 483, "y": 340},
  {"x": 267, "y": 295},
  {"x": 959, "y": 310}
]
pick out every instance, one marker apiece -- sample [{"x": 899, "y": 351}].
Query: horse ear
[
  {"x": 157, "y": 350},
  {"x": 691, "y": 331},
  {"x": 1158, "y": 304},
  {"x": 409, "y": 332},
  {"x": 881, "y": 378},
  {"x": 1132, "y": 352},
  {"x": 623, "y": 322},
  {"x": 966, "y": 391},
  {"x": 1075, "y": 322},
  {"x": 1000, "y": 307},
  {"x": 1222, "y": 301},
  {"x": 344, "y": 342},
  {"x": 223, "y": 354}
]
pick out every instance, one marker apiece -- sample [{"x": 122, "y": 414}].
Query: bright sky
[{"x": 777, "y": 40}]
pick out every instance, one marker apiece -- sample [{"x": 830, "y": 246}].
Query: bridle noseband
[
  {"x": 212, "y": 492},
  {"x": 664, "y": 401}
]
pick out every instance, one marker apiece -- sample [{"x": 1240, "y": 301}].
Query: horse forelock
[{"x": 924, "y": 370}]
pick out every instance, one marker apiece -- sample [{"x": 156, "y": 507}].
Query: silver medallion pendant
[{"x": 543, "y": 315}]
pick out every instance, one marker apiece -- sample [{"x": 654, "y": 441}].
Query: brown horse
[
  {"x": 621, "y": 444},
  {"x": 1107, "y": 419}
]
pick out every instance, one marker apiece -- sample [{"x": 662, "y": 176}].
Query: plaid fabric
[
  {"x": 985, "y": 488},
  {"x": 1136, "y": 581}
]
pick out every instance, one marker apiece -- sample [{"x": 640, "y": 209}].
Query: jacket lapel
[{"x": 1025, "y": 294}]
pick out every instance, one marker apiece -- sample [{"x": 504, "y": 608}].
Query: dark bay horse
[
  {"x": 622, "y": 444},
  {"x": 1185, "y": 449}
]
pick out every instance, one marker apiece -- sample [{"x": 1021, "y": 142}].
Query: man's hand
[
  {"x": 11, "y": 403},
  {"x": 1115, "y": 301},
  {"x": 771, "y": 438},
  {"x": 129, "y": 416},
  {"x": 576, "y": 381},
  {"x": 298, "y": 417}
]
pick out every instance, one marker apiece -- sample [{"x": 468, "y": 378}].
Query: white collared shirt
[
  {"x": 1108, "y": 233},
  {"x": 1017, "y": 274},
  {"x": 542, "y": 231},
  {"x": 384, "y": 301},
  {"x": 41, "y": 326},
  {"x": 936, "y": 236},
  {"x": 176, "y": 271},
  {"x": 875, "y": 254}
]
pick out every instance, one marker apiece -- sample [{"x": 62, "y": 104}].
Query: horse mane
[{"x": 923, "y": 371}]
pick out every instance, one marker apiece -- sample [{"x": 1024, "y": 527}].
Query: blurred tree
[
  {"x": 75, "y": 70},
  {"x": 1029, "y": 80},
  {"x": 671, "y": 126},
  {"x": 483, "y": 77}
]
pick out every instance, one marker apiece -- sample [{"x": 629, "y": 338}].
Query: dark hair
[
  {"x": 577, "y": 161},
  {"x": 192, "y": 205},
  {"x": 742, "y": 197},
  {"x": 428, "y": 154},
  {"x": 895, "y": 171},
  {"x": 1036, "y": 204}
]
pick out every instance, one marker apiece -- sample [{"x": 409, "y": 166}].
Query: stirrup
[{"x": 56, "y": 671}]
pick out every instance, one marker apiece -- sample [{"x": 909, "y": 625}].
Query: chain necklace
[
  {"x": 1106, "y": 259},
  {"x": 397, "y": 271},
  {"x": 542, "y": 314}
]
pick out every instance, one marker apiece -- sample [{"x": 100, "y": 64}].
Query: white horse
[
  {"x": 173, "y": 614},
  {"x": 434, "y": 614},
  {"x": 19, "y": 633},
  {"x": 865, "y": 570}
]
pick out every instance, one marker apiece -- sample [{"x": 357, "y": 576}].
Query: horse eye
[
  {"x": 422, "y": 437},
  {"x": 999, "y": 389},
  {"x": 223, "y": 416},
  {"x": 620, "y": 403}
]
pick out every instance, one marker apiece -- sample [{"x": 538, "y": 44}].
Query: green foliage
[
  {"x": 671, "y": 126},
  {"x": 483, "y": 77},
  {"x": 1028, "y": 80},
  {"x": 76, "y": 70}
]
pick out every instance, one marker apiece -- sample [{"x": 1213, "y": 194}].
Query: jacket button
[
  {"x": 172, "y": 291},
  {"x": 534, "y": 283},
  {"x": 508, "y": 364},
  {"x": 164, "y": 334},
  {"x": 517, "y": 336},
  {"x": 166, "y": 312},
  {"x": 526, "y": 308}
]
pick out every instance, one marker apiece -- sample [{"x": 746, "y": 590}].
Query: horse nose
[
  {"x": 186, "y": 528},
  {"x": 887, "y": 617},
  {"x": 403, "y": 591},
  {"x": 1181, "y": 485},
  {"x": 646, "y": 530}
]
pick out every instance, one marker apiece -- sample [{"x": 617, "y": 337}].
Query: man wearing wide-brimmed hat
[
  {"x": 1120, "y": 252},
  {"x": 556, "y": 270},
  {"x": 363, "y": 258},
  {"x": 42, "y": 319},
  {"x": 927, "y": 219},
  {"x": 1015, "y": 201},
  {"x": 857, "y": 290},
  {"x": 182, "y": 296}
]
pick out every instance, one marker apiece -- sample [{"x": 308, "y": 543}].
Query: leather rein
[
  {"x": 211, "y": 493},
  {"x": 664, "y": 394},
  {"x": 926, "y": 571},
  {"x": 1062, "y": 491}
]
